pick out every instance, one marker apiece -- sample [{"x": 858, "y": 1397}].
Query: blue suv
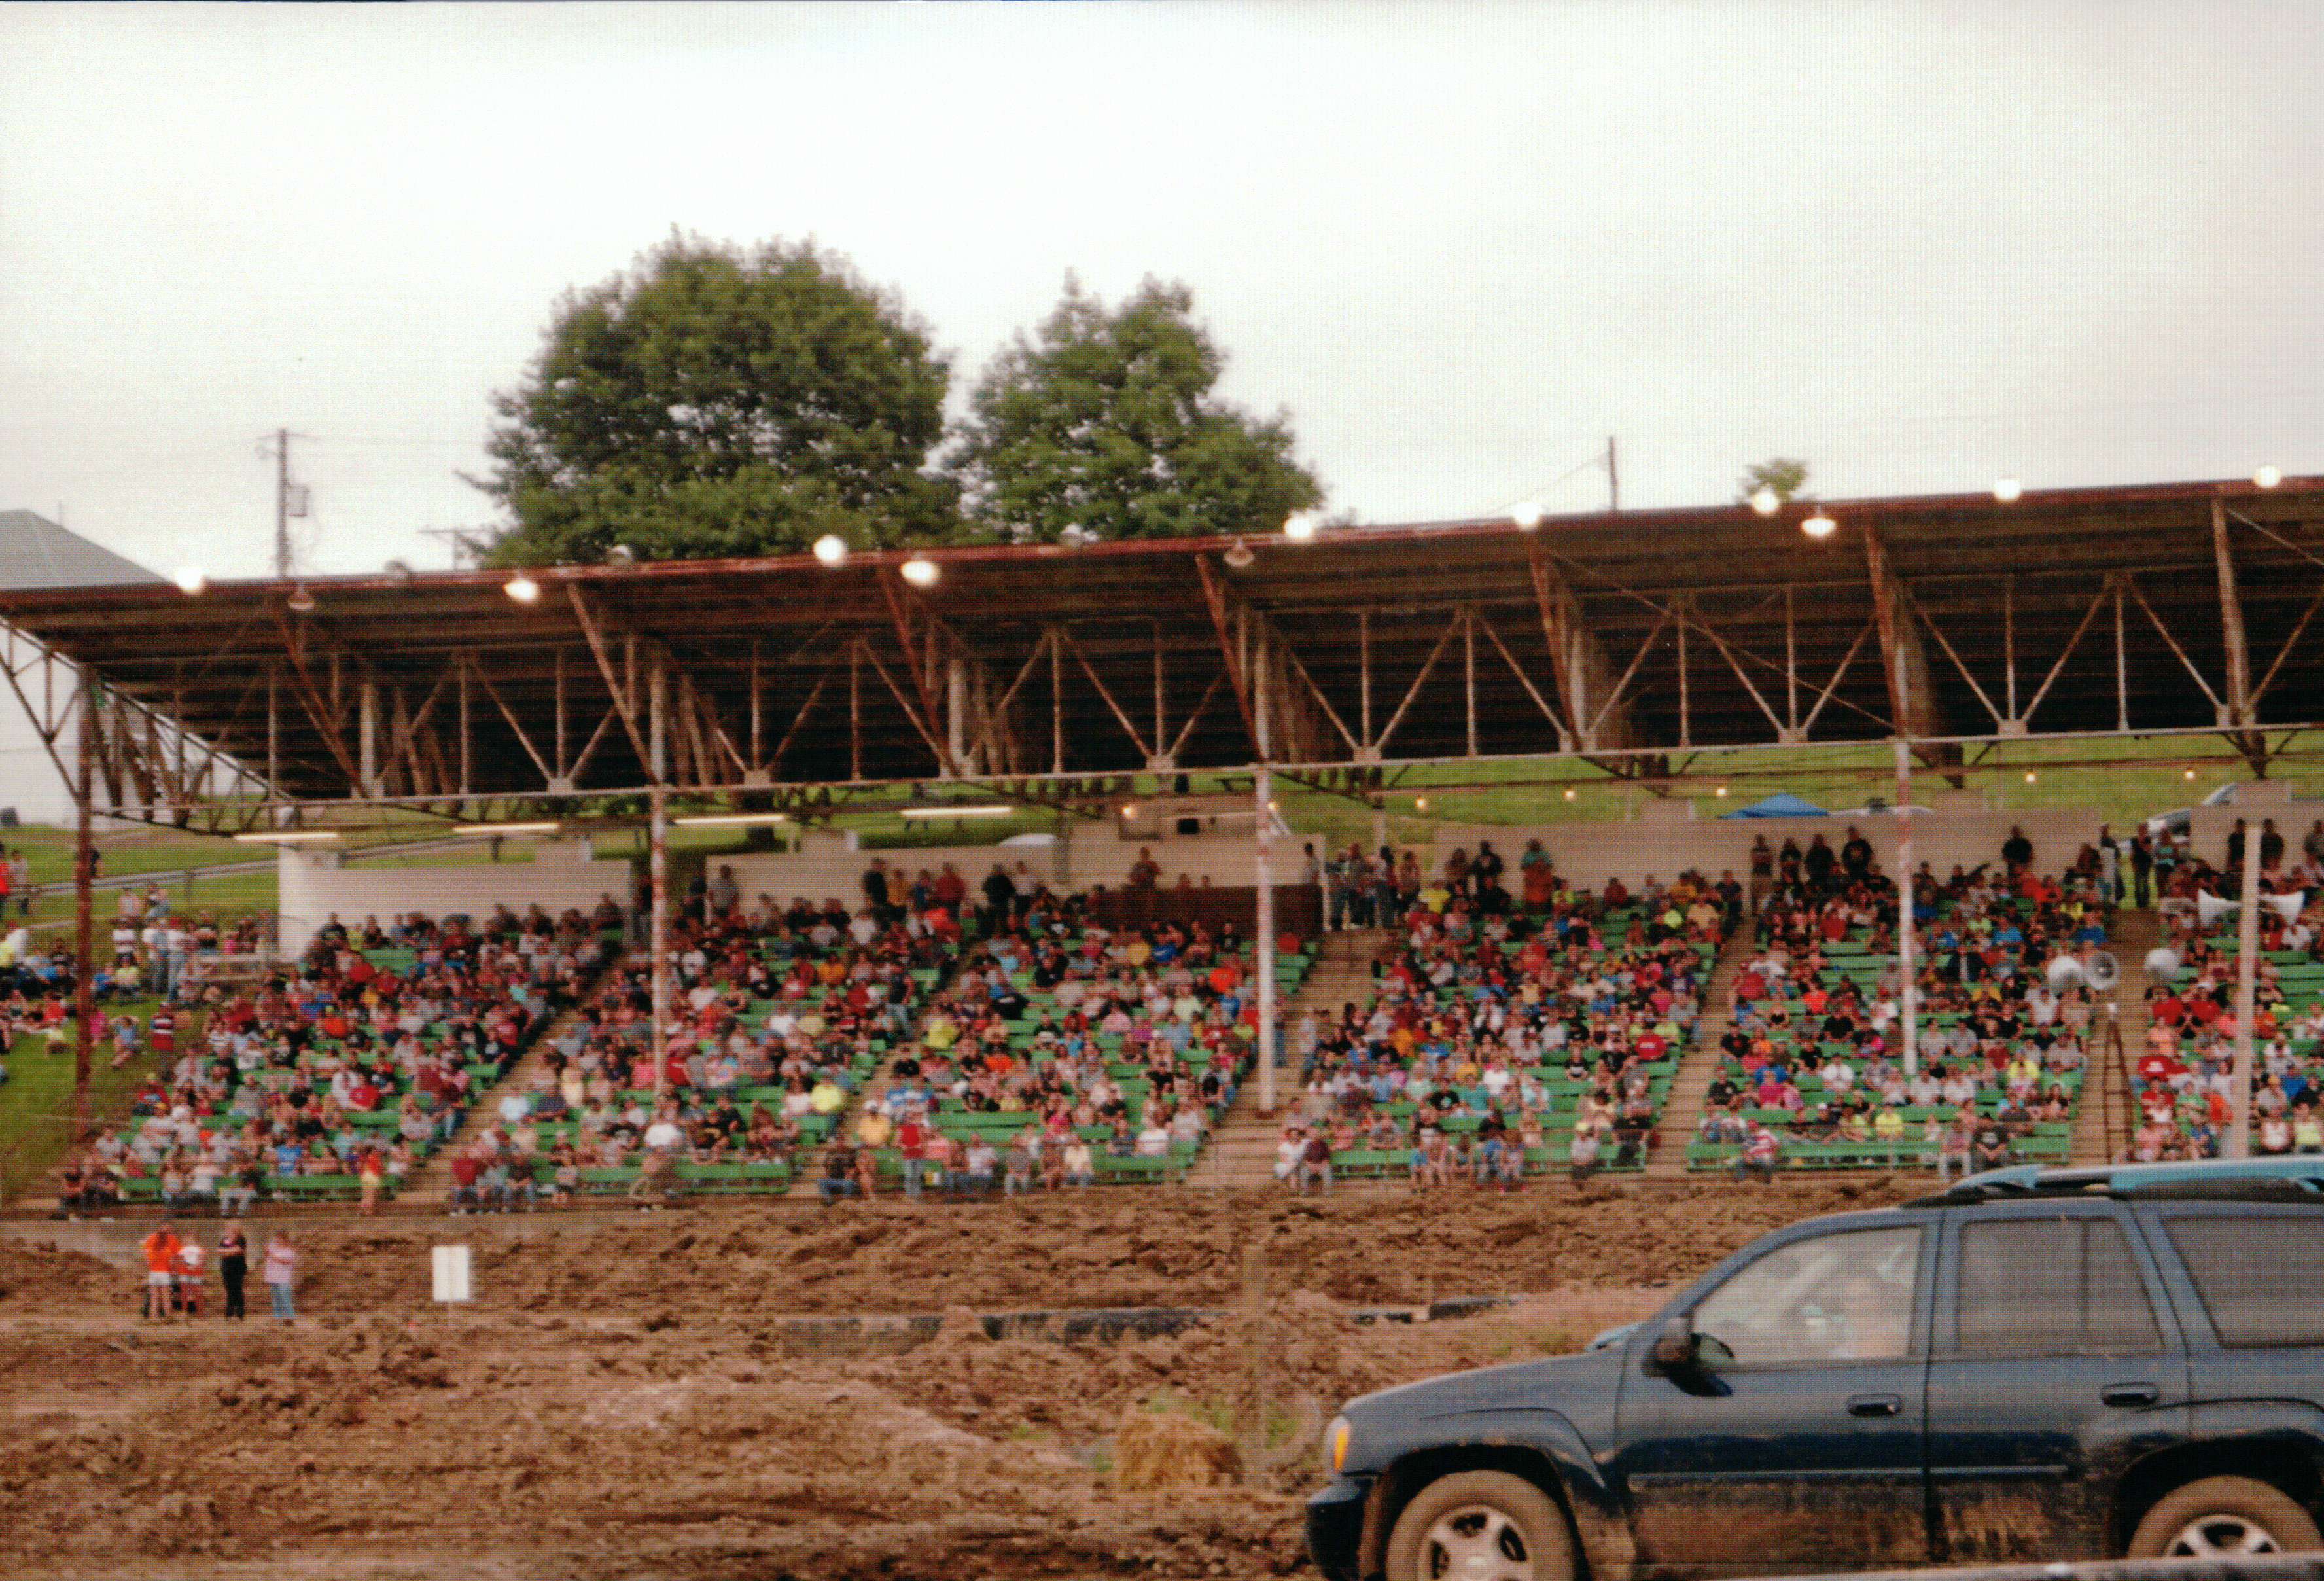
[{"x": 2035, "y": 1364}]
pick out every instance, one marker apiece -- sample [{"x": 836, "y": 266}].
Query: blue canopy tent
[{"x": 1781, "y": 804}]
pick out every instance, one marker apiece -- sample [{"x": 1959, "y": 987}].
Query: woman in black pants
[{"x": 234, "y": 1262}]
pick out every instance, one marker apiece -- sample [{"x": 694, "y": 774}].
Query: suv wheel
[
  {"x": 2223, "y": 1517},
  {"x": 1481, "y": 1526}
]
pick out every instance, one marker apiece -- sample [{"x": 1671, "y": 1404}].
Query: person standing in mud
[
  {"x": 233, "y": 1265},
  {"x": 281, "y": 1274}
]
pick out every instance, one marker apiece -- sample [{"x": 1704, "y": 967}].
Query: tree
[
  {"x": 1104, "y": 424},
  {"x": 1780, "y": 473},
  {"x": 716, "y": 400}
]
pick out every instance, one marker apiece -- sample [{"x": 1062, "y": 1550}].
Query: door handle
[
  {"x": 2130, "y": 1394},
  {"x": 1874, "y": 1405}
]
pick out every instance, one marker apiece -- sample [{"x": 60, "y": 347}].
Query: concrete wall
[
  {"x": 1664, "y": 839},
  {"x": 824, "y": 867},
  {"x": 315, "y": 887}
]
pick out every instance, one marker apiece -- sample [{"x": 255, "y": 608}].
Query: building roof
[
  {"x": 1960, "y": 617},
  {"x": 35, "y": 553}
]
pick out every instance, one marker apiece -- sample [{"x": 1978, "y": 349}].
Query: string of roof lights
[{"x": 832, "y": 552}]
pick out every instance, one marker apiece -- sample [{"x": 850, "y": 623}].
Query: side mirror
[{"x": 1676, "y": 1349}]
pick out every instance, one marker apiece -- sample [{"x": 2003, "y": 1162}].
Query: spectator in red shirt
[{"x": 912, "y": 1146}]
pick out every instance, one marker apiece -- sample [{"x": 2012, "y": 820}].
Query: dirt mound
[
  {"x": 39, "y": 1273},
  {"x": 1161, "y": 1450},
  {"x": 1099, "y": 1249}
]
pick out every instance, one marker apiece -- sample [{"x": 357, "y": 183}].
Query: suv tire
[
  {"x": 2223, "y": 1516},
  {"x": 1505, "y": 1520}
]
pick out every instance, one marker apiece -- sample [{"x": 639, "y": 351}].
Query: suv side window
[
  {"x": 1829, "y": 1299},
  {"x": 2258, "y": 1276},
  {"x": 2055, "y": 1287}
]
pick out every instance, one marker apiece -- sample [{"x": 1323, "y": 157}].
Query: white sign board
[{"x": 452, "y": 1273}]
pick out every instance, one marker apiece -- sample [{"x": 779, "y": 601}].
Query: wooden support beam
[
  {"x": 1912, "y": 707},
  {"x": 1579, "y": 659},
  {"x": 1214, "y": 596}
]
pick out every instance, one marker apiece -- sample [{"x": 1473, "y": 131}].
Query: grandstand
[{"x": 1357, "y": 675}]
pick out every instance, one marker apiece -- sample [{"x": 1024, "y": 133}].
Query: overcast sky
[{"x": 1919, "y": 247}]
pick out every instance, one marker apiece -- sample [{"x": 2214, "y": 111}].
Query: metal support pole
[
  {"x": 84, "y": 872},
  {"x": 1262, "y": 870},
  {"x": 1907, "y": 956},
  {"x": 658, "y": 872},
  {"x": 2238, "y": 1138},
  {"x": 1263, "y": 946}
]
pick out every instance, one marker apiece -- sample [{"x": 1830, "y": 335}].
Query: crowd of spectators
[
  {"x": 777, "y": 1016},
  {"x": 2182, "y": 1078},
  {"x": 341, "y": 1073},
  {"x": 1060, "y": 1047},
  {"x": 1506, "y": 1029},
  {"x": 1814, "y": 1051}
]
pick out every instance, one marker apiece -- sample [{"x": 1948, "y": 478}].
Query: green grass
[
  {"x": 2145, "y": 776},
  {"x": 49, "y": 850},
  {"x": 36, "y": 1101}
]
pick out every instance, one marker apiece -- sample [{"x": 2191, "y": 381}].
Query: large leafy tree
[
  {"x": 1104, "y": 424},
  {"x": 722, "y": 401}
]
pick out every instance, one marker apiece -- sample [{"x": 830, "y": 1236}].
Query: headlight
[{"x": 1335, "y": 1442}]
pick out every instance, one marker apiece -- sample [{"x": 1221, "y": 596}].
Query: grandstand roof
[
  {"x": 1625, "y": 638},
  {"x": 35, "y": 553}
]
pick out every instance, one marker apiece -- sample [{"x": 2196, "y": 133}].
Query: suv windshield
[{"x": 1840, "y": 1298}]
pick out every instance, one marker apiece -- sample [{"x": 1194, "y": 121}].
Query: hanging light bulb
[
  {"x": 1766, "y": 500},
  {"x": 2268, "y": 476},
  {"x": 2007, "y": 489},
  {"x": 1820, "y": 525},
  {"x": 830, "y": 549},
  {"x": 522, "y": 588},
  {"x": 190, "y": 579},
  {"x": 1525, "y": 514},
  {"x": 1237, "y": 555},
  {"x": 1299, "y": 526},
  {"x": 921, "y": 571},
  {"x": 300, "y": 601}
]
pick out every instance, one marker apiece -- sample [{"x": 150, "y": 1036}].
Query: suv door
[
  {"x": 2055, "y": 1366},
  {"x": 2248, "y": 1284},
  {"x": 1797, "y": 1445}
]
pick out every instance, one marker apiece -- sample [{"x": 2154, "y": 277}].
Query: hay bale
[{"x": 1163, "y": 1450}]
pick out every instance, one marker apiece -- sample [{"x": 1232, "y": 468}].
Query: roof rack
[{"x": 2283, "y": 1178}]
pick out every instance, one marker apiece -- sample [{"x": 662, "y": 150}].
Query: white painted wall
[
  {"x": 315, "y": 887},
  {"x": 1959, "y": 828},
  {"x": 825, "y": 867}
]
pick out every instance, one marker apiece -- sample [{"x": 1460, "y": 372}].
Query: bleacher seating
[{"x": 1515, "y": 1028}]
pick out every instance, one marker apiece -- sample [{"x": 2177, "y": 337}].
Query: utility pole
[
  {"x": 1613, "y": 479},
  {"x": 288, "y": 499},
  {"x": 282, "y": 505}
]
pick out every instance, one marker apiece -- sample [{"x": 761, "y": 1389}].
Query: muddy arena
[{"x": 784, "y": 1391}]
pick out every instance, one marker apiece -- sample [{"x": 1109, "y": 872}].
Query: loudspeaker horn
[
  {"x": 2211, "y": 909},
  {"x": 2287, "y": 906},
  {"x": 2102, "y": 971},
  {"x": 2163, "y": 964}
]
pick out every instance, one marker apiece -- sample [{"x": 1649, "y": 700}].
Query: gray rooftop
[{"x": 35, "y": 553}]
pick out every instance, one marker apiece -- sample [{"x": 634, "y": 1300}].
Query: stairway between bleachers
[
  {"x": 1243, "y": 1146},
  {"x": 1692, "y": 1083}
]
